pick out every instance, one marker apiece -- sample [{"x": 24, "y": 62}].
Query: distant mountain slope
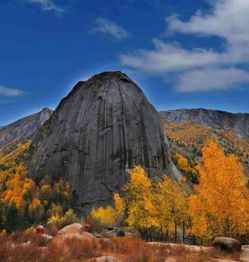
[
  {"x": 211, "y": 118},
  {"x": 24, "y": 128},
  {"x": 188, "y": 138}
]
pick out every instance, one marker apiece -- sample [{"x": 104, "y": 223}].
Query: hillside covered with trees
[{"x": 188, "y": 138}]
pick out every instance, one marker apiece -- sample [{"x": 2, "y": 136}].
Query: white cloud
[
  {"x": 48, "y": 5},
  {"x": 107, "y": 27},
  {"x": 168, "y": 58},
  {"x": 228, "y": 20},
  {"x": 5, "y": 91},
  {"x": 211, "y": 79}
]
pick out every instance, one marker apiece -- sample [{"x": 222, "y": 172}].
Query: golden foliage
[
  {"x": 142, "y": 212},
  {"x": 188, "y": 138},
  {"x": 104, "y": 216},
  {"x": 20, "y": 195},
  {"x": 119, "y": 204},
  {"x": 220, "y": 205},
  {"x": 172, "y": 200},
  {"x": 63, "y": 220},
  {"x": 147, "y": 206}
]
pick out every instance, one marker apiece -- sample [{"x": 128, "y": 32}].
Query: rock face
[
  {"x": 102, "y": 128},
  {"x": 24, "y": 128},
  {"x": 211, "y": 118}
]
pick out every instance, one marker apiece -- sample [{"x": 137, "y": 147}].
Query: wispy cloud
[
  {"x": 211, "y": 79},
  {"x": 11, "y": 92},
  {"x": 228, "y": 20},
  {"x": 167, "y": 58},
  {"x": 105, "y": 26},
  {"x": 47, "y": 5}
]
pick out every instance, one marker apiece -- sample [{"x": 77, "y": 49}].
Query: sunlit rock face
[{"x": 101, "y": 129}]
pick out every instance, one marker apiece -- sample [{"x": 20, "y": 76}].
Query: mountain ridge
[
  {"x": 24, "y": 128},
  {"x": 218, "y": 119}
]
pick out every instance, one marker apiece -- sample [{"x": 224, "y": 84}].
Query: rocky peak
[
  {"x": 101, "y": 129},
  {"x": 24, "y": 128}
]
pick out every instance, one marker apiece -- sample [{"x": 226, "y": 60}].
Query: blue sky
[{"x": 182, "y": 53}]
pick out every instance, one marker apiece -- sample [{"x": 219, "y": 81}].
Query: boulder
[
  {"x": 63, "y": 239},
  {"x": 75, "y": 230},
  {"x": 82, "y": 236},
  {"x": 226, "y": 244},
  {"x": 71, "y": 229}
]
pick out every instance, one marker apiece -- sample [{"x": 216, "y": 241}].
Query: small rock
[
  {"x": 105, "y": 259},
  {"x": 175, "y": 259},
  {"x": 46, "y": 237},
  {"x": 25, "y": 244},
  {"x": 131, "y": 235},
  {"x": 40, "y": 230},
  {"x": 120, "y": 233},
  {"x": 87, "y": 226}
]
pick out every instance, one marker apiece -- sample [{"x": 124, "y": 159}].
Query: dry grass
[{"x": 23, "y": 247}]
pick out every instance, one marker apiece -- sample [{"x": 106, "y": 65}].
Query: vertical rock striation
[{"x": 101, "y": 129}]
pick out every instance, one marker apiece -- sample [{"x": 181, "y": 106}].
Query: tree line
[{"x": 159, "y": 209}]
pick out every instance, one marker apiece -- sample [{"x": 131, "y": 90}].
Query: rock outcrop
[
  {"x": 101, "y": 129},
  {"x": 211, "y": 118},
  {"x": 25, "y": 128},
  {"x": 226, "y": 244}
]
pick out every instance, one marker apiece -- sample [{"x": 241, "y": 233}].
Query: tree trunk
[
  {"x": 183, "y": 232},
  {"x": 175, "y": 231}
]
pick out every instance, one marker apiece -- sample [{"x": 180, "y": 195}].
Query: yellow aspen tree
[
  {"x": 172, "y": 204},
  {"x": 119, "y": 205},
  {"x": 220, "y": 205},
  {"x": 142, "y": 212},
  {"x": 104, "y": 216}
]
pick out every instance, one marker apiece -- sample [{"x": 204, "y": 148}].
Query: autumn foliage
[
  {"x": 157, "y": 209},
  {"x": 160, "y": 209},
  {"x": 23, "y": 202},
  {"x": 220, "y": 205}
]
